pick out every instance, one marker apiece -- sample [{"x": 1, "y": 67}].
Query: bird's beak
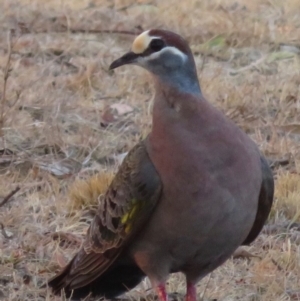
[{"x": 127, "y": 58}]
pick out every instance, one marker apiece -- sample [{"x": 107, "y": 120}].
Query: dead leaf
[
  {"x": 60, "y": 259},
  {"x": 7, "y": 234},
  {"x": 121, "y": 108},
  {"x": 289, "y": 48},
  {"x": 119, "y": 158},
  {"x": 107, "y": 117},
  {"x": 112, "y": 113},
  {"x": 61, "y": 169},
  {"x": 280, "y": 55}
]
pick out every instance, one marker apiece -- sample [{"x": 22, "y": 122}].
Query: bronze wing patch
[{"x": 124, "y": 209}]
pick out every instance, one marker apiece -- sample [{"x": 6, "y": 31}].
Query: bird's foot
[
  {"x": 191, "y": 294},
  {"x": 161, "y": 292}
]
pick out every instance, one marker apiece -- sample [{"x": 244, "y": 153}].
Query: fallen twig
[
  {"x": 127, "y": 32},
  {"x": 9, "y": 196},
  {"x": 205, "y": 288},
  {"x": 133, "y": 5},
  {"x": 280, "y": 162},
  {"x": 278, "y": 266},
  {"x": 252, "y": 65},
  {"x": 83, "y": 30},
  {"x": 242, "y": 253},
  {"x": 6, "y": 75}
]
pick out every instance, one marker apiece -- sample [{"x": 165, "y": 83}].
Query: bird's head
[{"x": 166, "y": 55}]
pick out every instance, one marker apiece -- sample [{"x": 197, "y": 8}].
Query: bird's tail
[{"x": 120, "y": 277}]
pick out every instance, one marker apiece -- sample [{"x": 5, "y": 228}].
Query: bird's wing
[
  {"x": 125, "y": 208},
  {"x": 265, "y": 201}
]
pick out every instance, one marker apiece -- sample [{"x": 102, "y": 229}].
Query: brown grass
[{"x": 60, "y": 128}]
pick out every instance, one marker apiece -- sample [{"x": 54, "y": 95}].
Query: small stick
[
  {"x": 9, "y": 196},
  {"x": 82, "y": 30},
  {"x": 128, "y": 32},
  {"x": 6, "y": 75},
  {"x": 205, "y": 288},
  {"x": 203, "y": 63},
  {"x": 278, "y": 266}
]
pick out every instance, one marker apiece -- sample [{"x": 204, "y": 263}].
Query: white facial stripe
[{"x": 171, "y": 49}]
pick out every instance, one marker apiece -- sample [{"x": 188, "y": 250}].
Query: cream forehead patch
[{"x": 141, "y": 42}]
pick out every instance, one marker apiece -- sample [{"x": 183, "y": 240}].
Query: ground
[{"x": 66, "y": 122}]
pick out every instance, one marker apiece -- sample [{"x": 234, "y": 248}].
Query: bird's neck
[
  {"x": 174, "y": 109},
  {"x": 183, "y": 81},
  {"x": 171, "y": 98}
]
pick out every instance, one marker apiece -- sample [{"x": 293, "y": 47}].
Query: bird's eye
[{"x": 156, "y": 44}]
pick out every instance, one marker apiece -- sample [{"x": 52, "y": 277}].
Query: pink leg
[
  {"x": 161, "y": 292},
  {"x": 191, "y": 294}
]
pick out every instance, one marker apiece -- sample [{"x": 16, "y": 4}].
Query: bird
[{"x": 184, "y": 198}]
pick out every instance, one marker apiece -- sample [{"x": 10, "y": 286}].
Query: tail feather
[{"x": 122, "y": 276}]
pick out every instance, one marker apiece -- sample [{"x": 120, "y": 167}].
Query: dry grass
[{"x": 60, "y": 128}]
